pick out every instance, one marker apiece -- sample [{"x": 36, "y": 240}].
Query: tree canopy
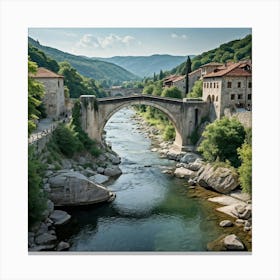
[
  {"x": 196, "y": 91},
  {"x": 222, "y": 138},
  {"x": 173, "y": 92},
  {"x": 35, "y": 95}
]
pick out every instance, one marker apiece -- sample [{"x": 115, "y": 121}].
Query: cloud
[
  {"x": 176, "y": 36},
  {"x": 107, "y": 42}
]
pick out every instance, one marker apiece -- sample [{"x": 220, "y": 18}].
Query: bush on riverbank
[{"x": 36, "y": 197}]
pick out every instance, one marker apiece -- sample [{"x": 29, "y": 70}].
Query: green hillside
[
  {"x": 232, "y": 51},
  {"x": 146, "y": 66},
  {"x": 96, "y": 69}
]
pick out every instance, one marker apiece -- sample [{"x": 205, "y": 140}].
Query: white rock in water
[{"x": 226, "y": 223}]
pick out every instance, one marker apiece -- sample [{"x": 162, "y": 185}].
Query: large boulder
[
  {"x": 221, "y": 179},
  {"x": 45, "y": 239},
  {"x": 99, "y": 178},
  {"x": 70, "y": 188}
]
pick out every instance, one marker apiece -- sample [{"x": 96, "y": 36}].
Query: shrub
[
  {"x": 36, "y": 196},
  {"x": 169, "y": 133}
]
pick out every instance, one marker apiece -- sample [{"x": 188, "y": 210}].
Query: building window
[
  {"x": 239, "y": 84},
  {"x": 232, "y": 97},
  {"x": 207, "y": 85},
  {"x": 240, "y": 96},
  {"x": 217, "y": 85},
  {"x": 58, "y": 83},
  {"x": 214, "y": 85},
  {"x": 249, "y": 96},
  {"x": 210, "y": 85},
  {"x": 217, "y": 98},
  {"x": 204, "y": 85},
  {"x": 249, "y": 84},
  {"x": 229, "y": 84}
]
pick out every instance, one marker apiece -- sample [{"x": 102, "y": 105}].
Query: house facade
[
  {"x": 54, "y": 99},
  {"x": 229, "y": 86},
  {"x": 178, "y": 81}
]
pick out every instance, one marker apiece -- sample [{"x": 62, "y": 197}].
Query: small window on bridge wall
[{"x": 195, "y": 117}]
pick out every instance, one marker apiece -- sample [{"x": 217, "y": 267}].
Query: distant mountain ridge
[
  {"x": 88, "y": 67},
  {"x": 146, "y": 66}
]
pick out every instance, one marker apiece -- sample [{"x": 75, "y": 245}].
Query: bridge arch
[
  {"x": 175, "y": 123},
  {"x": 183, "y": 114}
]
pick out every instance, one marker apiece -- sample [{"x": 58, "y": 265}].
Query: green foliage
[
  {"x": 196, "y": 91},
  {"x": 36, "y": 197},
  {"x": 245, "y": 169},
  {"x": 77, "y": 84},
  {"x": 148, "y": 89},
  {"x": 67, "y": 140},
  {"x": 194, "y": 136},
  {"x": 173, "y": 92},
  {"x": 35, "y": 95},
  {"x": 169, "y": 133},
  {"x": 221, "y": 140},
  {"x": 41, "y": 59},
  {"x": 232, "y": 51}
]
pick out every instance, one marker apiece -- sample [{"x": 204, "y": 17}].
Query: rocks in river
[
  {"x": 100, "y": 170},
  {"x": 62, "y": 246},
  {"x": 226, "y": 223},
  {"x": 190, "y": 157},
  {"x": 239, "y": 221},
  {"x": 114, "y": 159},
  {"x": 60, "y": 217},
  {"x": 112, "y": 171},
  {"x": 45, "y": 239},
  {"x": 69, "y": 188},
  {"x": 233, "y": 243},
  {"x": 182, "y": 172},
  {"x": 220, "y": 179},
  {"x": 99, "y": 178},
  {"x": 243, "y": 212}
]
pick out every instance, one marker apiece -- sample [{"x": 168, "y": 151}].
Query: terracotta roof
[
  {"x": 233, "y": 69},
  {"x": 45, "y": 73},
  {"x": 194, "y": 72},
  {"x": 212, "y": 64},
  {"x": 179, "y": 78}
]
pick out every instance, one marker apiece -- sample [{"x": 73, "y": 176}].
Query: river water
[{"x": 152, "y": 211}]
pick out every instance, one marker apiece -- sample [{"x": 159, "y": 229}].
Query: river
[{"x": 152, "y": 211}]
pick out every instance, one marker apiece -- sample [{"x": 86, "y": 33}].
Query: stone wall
[
  {"x": 245, "y": 117},
  {"x": 193, "y": 77},
  {"x": 54, "y": 96}
]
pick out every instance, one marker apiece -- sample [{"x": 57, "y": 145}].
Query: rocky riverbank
[
  {"x": 78, "y": 182},
  {"x": 216, "y": 183}
]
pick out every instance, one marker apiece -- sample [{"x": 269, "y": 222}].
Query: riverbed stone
[
  {"x": 226, "y": 223},
  {"x": 60, "y": 217},
  {"x": 71, "y": 188},
  {"x": 233, "y": 243},
  {"x": 45, "y": 239},
  {"x": 221, "y": 179},
  {"x": 182, "y": 172},
  {"x": 112, "y": 171},
  {"x": 100, "y": 170},
  {"x": 99, "y": 178},
  {"x": 42, "y": 229},
  {"x": 63, "y": 246},
  {"x": 190, "y": 158},
  {"x": 247, "y": 214}
]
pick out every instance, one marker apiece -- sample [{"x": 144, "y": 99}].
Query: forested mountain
[
  {"x": 146, "y": 66},
  {"x": 232, "y": 51},
  {"x": 96, "y": 69}
]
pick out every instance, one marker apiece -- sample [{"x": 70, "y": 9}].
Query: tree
[
  {"x": 173, "y": 92},
  {"x": 148, "y": 89},
  {"x": 160, "y": 75},
  {"x": 221, "y": 140},
  {"x": 35, "y": 95},
  {"x": 196, "y": 91},
  {"x": 188, "y": 70},
  {"x": 245, "y": 169},
  {"x": 155, "y": 78}
]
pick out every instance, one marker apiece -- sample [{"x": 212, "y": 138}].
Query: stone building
[
  {"x": 54, "y": 99},
  {"x": 229, "y": 86},
  {"x": 178, "y": 81}
]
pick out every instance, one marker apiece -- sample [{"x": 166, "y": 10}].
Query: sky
[{"x": 108, "y": 42}]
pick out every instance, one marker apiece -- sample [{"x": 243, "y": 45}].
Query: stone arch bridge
[{"x": 184, "y": 114}]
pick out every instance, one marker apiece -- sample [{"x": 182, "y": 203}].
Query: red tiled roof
[
  {"x": 194, "y": 72},
  {"x": 45, "y": 73},
  {"x": 234, "y": 69},
  {"x": 212, "y": 64},
  {"x": 179, "y": 78},
  {"x": 173, "y": 78}
]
